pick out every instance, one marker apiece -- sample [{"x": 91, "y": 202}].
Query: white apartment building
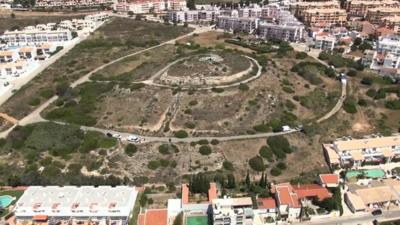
[
  {"x": 283, "y": 26},
  {"x": 389, "y": 44},
  {"x": 71, "y": 3},
  {"x": 232, "y": 211},
  {"x": 324, "y": 41},
  {"x": 35, "y": 37},
  {"x": 98, "y": 17},
  {"x": 235, "y": 24},
  {"x": 206, "y": 15},
  {"x": 104, "y": 204},
  {"x": 8, "y": 56},
  {"x": 354, "y": 152},
  {"x": 148, "y": 6}
]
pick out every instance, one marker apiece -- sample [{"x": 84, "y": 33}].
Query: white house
[
  {"x": 104, "y": 204},
  {"x": 8, "y": 56},
  {"x": 288, "y": 202}
]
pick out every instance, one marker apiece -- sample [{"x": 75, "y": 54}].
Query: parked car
[
  {"x": 377, "y": 212},
  {"x": 117, "y": 136},
  {"x": 6, "y": 84},
  {"x": 133, "y": 138}
]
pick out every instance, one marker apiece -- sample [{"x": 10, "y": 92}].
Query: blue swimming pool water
[{"x": 5, "y": 200}]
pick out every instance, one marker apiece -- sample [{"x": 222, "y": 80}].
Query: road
[
  {"x": 364, "y": 218},
  {"x": 147, "y": 139}
]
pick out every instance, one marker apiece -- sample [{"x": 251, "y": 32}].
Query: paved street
[{"x": 356, "y": 219}]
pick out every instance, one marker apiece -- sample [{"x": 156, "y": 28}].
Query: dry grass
[{"x": 115, "y": 39}]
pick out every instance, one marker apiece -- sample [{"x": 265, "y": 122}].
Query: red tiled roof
[
  {"x": 286, "y": 196},
  {"x": 323, "y": 34},
  {"x": 311, "y": 190},
  {"x": 156, "y": 217},
  {"x": 329, "y": 178},
  {"x": 212, "y": 192},
  {"x": 185, "y": 194},
  {"x": 266, "y": 203}
]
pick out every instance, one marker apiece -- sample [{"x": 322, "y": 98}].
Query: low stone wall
[{"x": 198, "y": 80}]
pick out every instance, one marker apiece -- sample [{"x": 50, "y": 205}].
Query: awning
[{"x": 40, "y": 217}]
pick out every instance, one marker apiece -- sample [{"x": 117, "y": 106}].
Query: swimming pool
[
  {"x": 5, "y": 200},
  {"x": 371, "y": 173},
  {"x": 197, "y": 220}
]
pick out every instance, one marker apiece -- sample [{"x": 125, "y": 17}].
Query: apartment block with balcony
[
  {"x": 377, "y": 15},
  {"x": 35, "y": 37},
  {"x": 359, "y": 8},
  {"x": 299, "y": 8},
  {"x": 352, "y": 153},
  {"x": 232, "y": 211},
  {"x": 75, "y": 205},
  {"x": 325, "y": 17}
]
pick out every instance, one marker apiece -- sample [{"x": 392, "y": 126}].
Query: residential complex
[
  {"x": 148, "y": 6},
  {"x": 377, "y": 15},
  {"x": 201, "y": 15},
  {"x": 72, "y": 3},
  {"x": 269, "y": 22},
  {"x": 353, "y": 153},
  {"x": 299, "y": 8},
  {"x": 325, "y": 17},
  {"x": 360, "y": 8},
  {"x": 76, "y": 205}
]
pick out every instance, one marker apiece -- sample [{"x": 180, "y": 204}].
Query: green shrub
[
  {"x": 281, "y": 166},
  {"x": 193, "y": 103},
  {"x": 190, "y": 125},
  {"x": 301, "y": 55},
  {"x": 203, "y": 142},
  {"x": 393, "y": 104},
  {"x": 214, "y": 142},
  {"x": 257, "y": 163},
  {"x": 367, "y": 81},
  {"x": 371, "y": 93},
  {"x": 288, "y": 89},
  {"x": 164, "y": 162},
  {"x": 181, "y": 134},
  {"x": 243, "y": 87},
  {"x": 290, "y": 105},
  {"x": 228, "y": 165},
  {"x": 166, "y": 149},
  {"x": 130, "y": 149},
  {"x": 275, "y": 171},
  {"x": 362, "y": 102},
  {"x": 34, "y": 102},
  {"x": 323, "y": 55},
  {"x": 349, "y": 106},
  {"x": 266, "y": 153},
  {"x": 154, "y": 164},
  {"x": 46, "y": 93},
  {"x": 352, "y": 73},
  {"x": 280, "y": 146},
  {"x": 205, "y": 150}
]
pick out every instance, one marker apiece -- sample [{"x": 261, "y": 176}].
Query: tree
[
  {"x": 231, "y": 181},
  {"x": 257, "y": 163},
  {"x": 130, "y": 13},
  {"x": 191, "y": 4},
  {"x": 130, "y": 149},
  {"x": 248, "y": 182},
  {"x": 178, "y": 219}
]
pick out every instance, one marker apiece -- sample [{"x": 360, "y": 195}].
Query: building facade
[
  {"x": 76, "y": 205},
  {"x": 325, "y": 17},
  {"x": 357, "y": 152}
]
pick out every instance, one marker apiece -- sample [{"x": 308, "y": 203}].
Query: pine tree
[
  {"x": 231, "y": 181},
  {"x": 261, "y": 182},
  {"x": 248, "y": 182}
]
